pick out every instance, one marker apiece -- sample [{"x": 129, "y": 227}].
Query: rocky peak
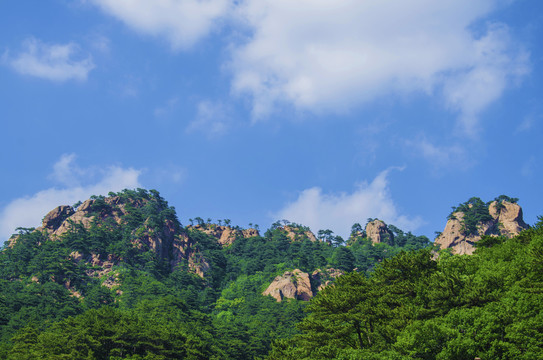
[
  {"x": 56, "y": 217},
  {"x": 296, "y": 233},
  {"x": 502, "y": 218},
  {"x": 509, "y": 216},
  {"x": 164, "y": 238},
  {"x": 378, "y": 232},
  {"x": 225, "y": 235}
]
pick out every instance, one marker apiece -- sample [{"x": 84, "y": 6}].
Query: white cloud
[
  {"x": 494, "y": 68},
  {"x": 323, "y": 55},
  {"x": 441, "y": 157},
  {"x": 332, "y": 56},
  {"x": 181, "y": 22},
  {"x": 57, "y": 62},
  {"x": 28, "y": 211},
  {"x": 339, "y": 212},
  {"x": 212, "y": 119}
]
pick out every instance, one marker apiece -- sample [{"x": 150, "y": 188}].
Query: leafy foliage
[
  {"x": 417, "y": 306},
  {"x": 107, "y": 288}
]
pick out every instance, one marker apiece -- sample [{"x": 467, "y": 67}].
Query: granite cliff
[{"x": 472, "y": 220}]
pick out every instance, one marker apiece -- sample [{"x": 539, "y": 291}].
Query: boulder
[
  {"x": 378, "y": 232},
  {"x": 293, "y": 284}
]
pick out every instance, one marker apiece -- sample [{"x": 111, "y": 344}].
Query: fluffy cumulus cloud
[
  {"x": 323, "y": 55},
  {"x": 181, "y": 22},
  {"x": 28, "y": 211},
  {"x": 57, "y": 62},
  {"x": 332, "y": 56},
  {"x": 338, "y": 212}
]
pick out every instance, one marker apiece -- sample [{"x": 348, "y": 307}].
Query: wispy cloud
[
  {"x": 441, "y": 157},
  {"x": 496, "y": 64},
  {"x": 56, "y": 62},
  {"x": 213, "y": 119},
  {"x": 339, "y": 212},
  {"x": 28, "y": 211},
  {"x": 182, "y": 23}
]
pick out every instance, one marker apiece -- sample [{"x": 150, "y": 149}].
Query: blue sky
[{"x": 320, "y": 112}]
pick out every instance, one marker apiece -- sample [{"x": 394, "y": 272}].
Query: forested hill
[{"x": 119, "y": 277}]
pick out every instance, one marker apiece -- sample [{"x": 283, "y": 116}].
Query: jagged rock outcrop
[
  {"x": 505, "y": 220},
  {"x": 299, "y": 285},
  {"x": 293, "y": 284},
  {"x": 167, "y": 241},
  {"x": 323, "y": 278},
  {"x": 113, "y": 207},
  {"x": 509, "y": 216},
  {"x": 298, "y": 234},
  {"x": 56, "y": 217},
  {"x": 378, "y": 232},
  {"x": 225, "y": 235}
]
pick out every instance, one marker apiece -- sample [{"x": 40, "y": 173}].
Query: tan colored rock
[
  {"x": 247, "y": 233},
  {"x": 378, "y": 232},
  {"x": 56, "y": 217},
  {"x": 198, "y": 264},
  {"x": 225, "y": 235},
  {"x": 76, "y": 256},
  {"x": 293, "y": 284},
  {"x": 12, "y": 241},
  {"x": 323, "y": 278},
  {"x": 294, "y": 234},
  {"x": 506, "y": 221},
  {"x": 509, "y": 217},
  {"x": 102, "y": 265}
]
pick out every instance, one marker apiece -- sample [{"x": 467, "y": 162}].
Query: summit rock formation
[
  {"x": 504, "y": 219},
  {"x": 378, "y": 232},
  {"x": 225, "y": 235}
]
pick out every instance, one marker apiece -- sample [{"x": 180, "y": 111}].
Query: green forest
[{"x": 129, "y": 281}]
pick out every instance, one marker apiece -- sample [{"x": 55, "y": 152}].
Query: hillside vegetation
[{"x": 119, "y": 277}]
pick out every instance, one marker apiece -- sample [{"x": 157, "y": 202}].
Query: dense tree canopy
[{"x": 399, "y": 299}]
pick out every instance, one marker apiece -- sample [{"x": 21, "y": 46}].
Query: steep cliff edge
[{"x": 474, "y": 219}]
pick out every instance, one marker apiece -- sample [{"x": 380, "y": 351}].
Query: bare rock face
[
  {"x": 225, "y": 235},
  {"x": 509, "y": 216},
  {"x": 295, "y": 234},
  {"x": 291, "y": 285},
  {"x": 60, "y": 220},
  {"x": 166, "y": 241},
  {"x": 247, "y": 233},
  {"x": 299, "y": 285},
  {"x": 378, "y": 232},
  {"x": 56, "y": 217},
  {"x": 506, "y": 221}
]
